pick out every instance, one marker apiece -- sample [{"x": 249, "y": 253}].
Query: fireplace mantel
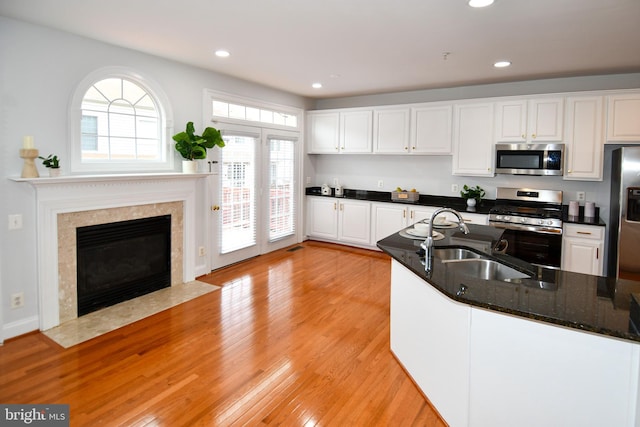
[{"x": 80, "y": 193}]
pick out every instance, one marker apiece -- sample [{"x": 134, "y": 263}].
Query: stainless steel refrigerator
[{"x": 624, "y": 233}]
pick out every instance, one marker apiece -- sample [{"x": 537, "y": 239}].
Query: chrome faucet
[{"x": 427, "y": 245}]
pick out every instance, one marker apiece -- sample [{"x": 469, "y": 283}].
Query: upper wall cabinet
[
  {"x": 431, "y": 129},
  {"x": 623, "y": 118},
  {"x": 529, "y": 120},
  {"x": 336, "y": 132},
  {"x": 584, "y": 138},
  {"x": 473, "y": 139},
  {"x": 391, "y": 130}
]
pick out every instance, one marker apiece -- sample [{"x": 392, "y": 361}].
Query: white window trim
[
  {"x": 75, "y": 117},
  {"x": 209, "y": 95}
]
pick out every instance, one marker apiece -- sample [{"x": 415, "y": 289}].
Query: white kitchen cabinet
[
  {"x": 473, "y": 139},
  {"x": 324, "y": 132},
  {"x": 387, "y": 219},
  {"x": 334, "y": 132},
  {"x": 354, "y": 222},
  {"x": 584, "y": 138},
  {"x": 467, "y": 217},
  {"x": 391, "y": 130},
  {"x": 583, "y": 249},
  {"x": 623, "y": 118},
  {"x": 322, "y": 217},
  {"x": 431, "y": 129},
  {"x": 532, "y": 120},
  {"x": 339, "y": 220}
]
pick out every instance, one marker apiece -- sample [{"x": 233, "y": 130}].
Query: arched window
[{"x": 119, "y": 122}]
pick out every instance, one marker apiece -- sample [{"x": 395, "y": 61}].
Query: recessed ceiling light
[
  {"x": 316, "y": 85},
  {"x": 222, "y": 53},
  {"x": 502, "y": 64},
  {"x": 480, "y": 3}
]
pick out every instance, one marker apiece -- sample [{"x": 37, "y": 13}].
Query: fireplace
[{"x": 122, "y": 260}]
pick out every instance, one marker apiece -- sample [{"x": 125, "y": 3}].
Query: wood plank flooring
[{"x": 297, "y": 337}]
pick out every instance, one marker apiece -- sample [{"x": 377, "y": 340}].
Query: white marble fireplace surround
[{"x": 112, "y": 198}]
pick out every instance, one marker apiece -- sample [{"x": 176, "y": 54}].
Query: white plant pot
[
  {"x": 189, "y": 166},
  {"x": 53, "y": 172},
  {"x": 471, "y": 202}
]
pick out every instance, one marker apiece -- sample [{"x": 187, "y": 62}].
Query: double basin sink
[{"x": 466, "y": 261}]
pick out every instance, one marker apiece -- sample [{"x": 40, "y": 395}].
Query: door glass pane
[
  {"x": 281, "y": 189},
  {"x": 238, "y": 222}
]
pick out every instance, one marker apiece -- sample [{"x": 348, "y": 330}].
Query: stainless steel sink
[
  {"x": 484, "y": 269},
  {"x": 455, "y": 254}
]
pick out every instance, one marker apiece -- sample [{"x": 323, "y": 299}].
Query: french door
[{"x": 255, "y": 199}]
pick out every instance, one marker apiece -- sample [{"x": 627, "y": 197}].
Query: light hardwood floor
[{"x": 294, "y": 338}]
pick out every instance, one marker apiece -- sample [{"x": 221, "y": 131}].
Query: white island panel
[{"x": 527, "y": 373}]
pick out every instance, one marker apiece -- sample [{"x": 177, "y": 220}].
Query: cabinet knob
[
  {"x": 342, "y": 148},
  {"x": 406, "y": 148},
  {"x": 413, "y": 148},
  {"x": 533, "y": 135},
  {"x": 524, "y": 136},
  {"x": 569, "y": 171}
]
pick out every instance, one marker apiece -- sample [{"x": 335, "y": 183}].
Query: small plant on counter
[
  {"x": 51, "y": 161},
  {"x": 475, "y": 193}
]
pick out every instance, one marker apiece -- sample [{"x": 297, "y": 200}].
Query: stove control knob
[
  {"x": 541, "y": 222},
  {"x": 507, "y": 218},
  {"x": 523, "y": 220}
]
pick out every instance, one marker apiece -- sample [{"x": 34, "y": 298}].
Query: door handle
[{"x": 215, "y": 207}]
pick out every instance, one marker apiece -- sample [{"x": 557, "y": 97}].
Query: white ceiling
[{"x": 361, "y": 46}]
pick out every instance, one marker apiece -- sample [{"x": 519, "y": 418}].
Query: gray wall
[{"x": 39, "y": 70}]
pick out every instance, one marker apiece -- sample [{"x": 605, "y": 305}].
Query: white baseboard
[{"x": 20, "y": 327}]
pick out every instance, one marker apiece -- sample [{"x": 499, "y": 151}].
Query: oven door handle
[{"x": 523, "y": 227}]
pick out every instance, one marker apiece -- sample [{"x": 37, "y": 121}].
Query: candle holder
[{"x": 29, "y": 169}]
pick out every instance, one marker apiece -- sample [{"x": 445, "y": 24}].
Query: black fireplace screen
[{"x": 122, "y": 260}]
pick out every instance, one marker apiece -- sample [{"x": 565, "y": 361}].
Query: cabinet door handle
[
  {"x": 334, "y": 206},
  {"x": 411, "y": 215},
  {"x": 404, "y": 214},
  {"x": 341, "y": 207},
  {"x": 533, "y": 135},
  {"x": 587, "y": 233},
  {"x": 597, "y": 253}
]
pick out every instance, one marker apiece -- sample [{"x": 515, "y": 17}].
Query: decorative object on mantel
[
  {"x": 29, "y": 153},
  {"x": 472, "y": 194},
  {"x": 52, "y": 163},
  {"x": 194, "y": 147}
]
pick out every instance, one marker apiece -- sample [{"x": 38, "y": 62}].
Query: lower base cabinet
[
  {"x": 583, "y": 249},
  {"x": 482, "y": 368},
  {"x": 339, "y": 220}
]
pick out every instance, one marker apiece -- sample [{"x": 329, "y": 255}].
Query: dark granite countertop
[
  {"x": 457, "y": 203},
  {"x": 588, "y": 303}
]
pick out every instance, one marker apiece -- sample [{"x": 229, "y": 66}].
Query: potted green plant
[
  {"x": 194, "y": 147},
  {"x": 473, "y": 195},
  {"x": 52, "y": 163}
]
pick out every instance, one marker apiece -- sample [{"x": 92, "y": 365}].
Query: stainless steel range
[{"x": 532, "y": 220}]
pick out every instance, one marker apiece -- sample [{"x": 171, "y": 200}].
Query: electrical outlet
[
  {"x": 454, "y": 188},
  {"x": 202, "y": 251},
  {"x": 17, "y": 300},
  {"x": 581, "y": 196},
  {"x": 15, "y": 222},
  {"x": 380, "y": 183}
]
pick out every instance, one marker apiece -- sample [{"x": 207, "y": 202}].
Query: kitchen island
[{"x": 556, "y": 348}]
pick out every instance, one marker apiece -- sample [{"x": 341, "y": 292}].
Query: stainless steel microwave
[{"x": 530, "y": 159}]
